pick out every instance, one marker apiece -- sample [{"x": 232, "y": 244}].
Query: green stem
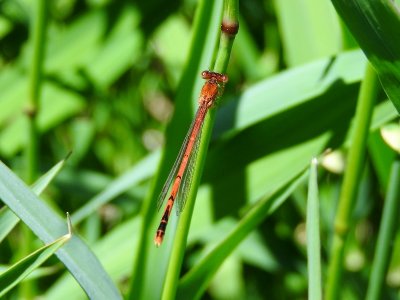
[
  {"x": 313, "y": 235},
  {"x": 171, "y": 281},
  {"x": 386, "y": 234},
  {"x": 38, "y": 30},
  {"x": 35, "y": 85},
  {"x": 148, "y": 256},
  {"x": 355, "y": 162},
  {"x": 229, "y": 28}
]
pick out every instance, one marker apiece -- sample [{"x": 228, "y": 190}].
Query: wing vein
[{"x": 172, "y": 173}]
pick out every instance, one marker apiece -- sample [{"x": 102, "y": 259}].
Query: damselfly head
[
  {"x": 224, "y": 78},
  {"x": 206, "y": 74},
  {"x": 218, "y": 77}
]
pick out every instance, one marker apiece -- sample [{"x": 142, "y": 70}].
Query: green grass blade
[
  {"x": 116, "y": 262},
  {"x": 292, "y": 88},
  {"x": 32, "y": 108},
  {"x": 42, "y": 183},
  {"x": 376, "y": 27},
  {"x": 195, "y": 281},
  {"x": 230, "y": 15},
  {"x": 386, "y": 234},
  {"x": 8, "y": 219},
  {"x": 37, "y": 273},
  {"x": 17, "y": 272},
  {"x": 145, "y": 284},
  {"x": 367, "y": 98},
  {"x": 313, "y": 236},
  {"x": 48, "y": 226}
]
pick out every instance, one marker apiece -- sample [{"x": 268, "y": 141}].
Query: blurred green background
[{"x": 111, "y": 74}]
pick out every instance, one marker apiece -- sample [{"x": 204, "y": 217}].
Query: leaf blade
[{"x": 47, "y": 225}]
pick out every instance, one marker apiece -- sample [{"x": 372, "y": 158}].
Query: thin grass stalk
[
  {"x": 38, "y": 30},
  {"x": 174, "y": 267},
  {"x": 185, "y": 90},
  {"x": 313, "y": 236},
  {"x": 386, "y": 234},
  {"x": 355, "y": 162},
  {"x": 35, "y": 85},
  {"x": 229, "y": 29}
]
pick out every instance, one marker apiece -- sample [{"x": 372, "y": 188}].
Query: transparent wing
[
  {"x": 188, "y": 176},
  {"x": 172, "y": 173}
]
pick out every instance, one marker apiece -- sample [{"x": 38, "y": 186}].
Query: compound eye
[
  {"x": 206, "y": 74},
  {"x": 224, "y": 78}
]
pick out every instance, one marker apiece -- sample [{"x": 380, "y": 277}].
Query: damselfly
[{"x": 178, "y": 181}]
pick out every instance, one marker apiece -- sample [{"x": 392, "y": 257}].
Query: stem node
[{"x": 229, "y": 28}]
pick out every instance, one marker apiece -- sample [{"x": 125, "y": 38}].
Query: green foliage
[
  {"x": 17, "y": 272},
  {"x": 121, "y": 78},
  {"x": 313, "y": 235},
  {"x": 375, "y": 26}
]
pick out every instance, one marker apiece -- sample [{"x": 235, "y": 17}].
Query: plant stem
[
  {"x": 38, "y": 30},
  {"x": 313, "y": 235},
  {"x": 229, "y": 29},
  {"x": 35, "y": 84},
  {"x": 147, "y": 256},
  {"x": 355, "y": 161},
  {"x": 386, "y": 234}
]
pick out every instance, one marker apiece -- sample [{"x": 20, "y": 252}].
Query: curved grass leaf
[
  {"x": 116, "y": 262},
  {"x": 39, "y": 272},
  {"x": 376, "y": 27},
  {"x": 39, "y": 185},
  {"x": 289, "y": 89},
  {"x": 48, "y": 226},
  {"x": 8, "y": 219},
  {"x": 17, "y": 272}
]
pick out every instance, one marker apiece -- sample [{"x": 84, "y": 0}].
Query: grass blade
[
  {"x": 386, "y": 234},
  {"x": 17, "y": 272},
  {"x": 367, "y": 97},
  {"x": 313, "y": 236},
  {"x": 48, "y": 226},
  {"x": 42, "y": 183},
  {"x": 8, "y": 219},
  {"x": 229, "y": 27},
  {"x": 116, "y": 262},
  {"x": 376, "y": 27},
  {"x": 144, "y": 283}
]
